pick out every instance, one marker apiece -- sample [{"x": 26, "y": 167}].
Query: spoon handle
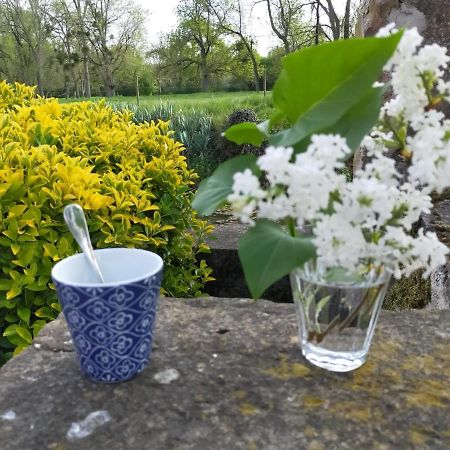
[{"x": 75, "y": 220}]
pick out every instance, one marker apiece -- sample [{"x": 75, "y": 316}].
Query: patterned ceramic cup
[{"x": 111, "y": 323}]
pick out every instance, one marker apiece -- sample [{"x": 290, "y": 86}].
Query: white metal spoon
[{"x": 75, "y": 220}]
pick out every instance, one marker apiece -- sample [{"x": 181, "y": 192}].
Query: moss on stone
[
  {"x": 286, "y": 370},
  {"x": 247, "y": 409},
  {"x": 407, "y": 293}
]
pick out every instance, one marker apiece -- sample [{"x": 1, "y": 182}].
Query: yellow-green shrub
[{"x": 132, "y": 181}]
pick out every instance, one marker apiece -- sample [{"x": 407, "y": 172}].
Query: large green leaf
[
  {"x": 245, "y": 133},
  {"x": 353, "y": 124},
  {"x": 267, "y": 253},
  {"x": 213, "y": 192},
  {"x": 320, "y": 83}
]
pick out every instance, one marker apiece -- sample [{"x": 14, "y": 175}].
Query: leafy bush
[
  {"x": 228, "y": 149},
  {"x": 194, "y": 129},
  {"x": 132, "y": 181}
]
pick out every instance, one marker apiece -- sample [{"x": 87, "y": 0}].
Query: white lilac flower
[
  {"x": 413, "y": 203},
  {"x": 275, "y": 163},
  {"x": 431, "y": 58},
  {"x": 246, "y": 189},
  {"x": 387, "y": 30},
  {"x": 427, "y": 119},
  {"x": 381, "y": 168},
  {"x": 430, "y": 165},
  {"x": 245, "y": 183},
  {"x": 406, "y": 254},
  {"x": 243, "y": 208},
  {"x": 443, "y": 87},
  {"x": 313, "y": 177},
  {"x": 338, "y": 243},
  {"x": 408, "y": 87},
  {"x": 427, "y": 252},
  {"x": 368, "y": 219},
  {"x": 330, "y": 149},
  {"x": 276, "y": 208},
  {"x": 407, "y": 46},
  {"x": 373, "y": 145}
]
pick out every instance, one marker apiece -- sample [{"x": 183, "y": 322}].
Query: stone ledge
[{"x": 238, "y": 382}]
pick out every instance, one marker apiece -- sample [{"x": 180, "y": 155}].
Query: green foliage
[
  {"x": 193, "y": 129},
  {"x": 213, "y": 191},
  {"x": 268, "y": 253},
  {"x": 216, "y": 105},
  {"x": 131, "y": 180},
  {"x": 322, "y": 89}
]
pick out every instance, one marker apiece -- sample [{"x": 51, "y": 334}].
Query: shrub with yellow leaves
[{"x": 132, "y": 181}]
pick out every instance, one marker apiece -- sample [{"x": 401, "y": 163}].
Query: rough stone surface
[
  {"x": 431, "y": 17},
  {"x": 241, "y": 384}
]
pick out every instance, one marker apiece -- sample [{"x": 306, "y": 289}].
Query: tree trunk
[
  {"x": 347, "y": 20},
  {"x": 204, "y": 72},
  {"x": 255, "y": 72},
  {"x": 317, "y": 27},
  {"x": 74, "y": 82},
  {"x": 40, "y": 88},
  {"x": 86, "y": 77}
]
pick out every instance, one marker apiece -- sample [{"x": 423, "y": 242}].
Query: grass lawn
[{"x": 217, "y": 105}]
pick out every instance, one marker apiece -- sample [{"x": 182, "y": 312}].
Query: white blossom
[
  {"x": 275, "y": 163},
  {"x": 368, "y": 220}
]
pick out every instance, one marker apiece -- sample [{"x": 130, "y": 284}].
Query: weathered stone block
[{"x": 228, "y": 374}]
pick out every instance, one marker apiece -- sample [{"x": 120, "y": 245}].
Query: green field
[{"x": 217, "y": 105}]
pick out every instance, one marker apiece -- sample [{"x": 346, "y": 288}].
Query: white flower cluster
[
  {"x": 417, "y": 75},
  {"x": 358, "y": 223},
  {"x": 367, "y": 221}
]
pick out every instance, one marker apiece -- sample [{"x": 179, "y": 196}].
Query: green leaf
[
  {"x": 359, "y": 119},
  {"x": 318, "y": 85},
  {"x": 16, "y": 340},
  {"x": 246, "y": 133},
  {"x": 213, "y": 192},
  {"x": 37, "y": 326},
  {"x": 14, "y": 291},
  {"x": 56, "y": 306},
  {"x": 50, "y": 250},
  {"x": 45, "y": 313},
  {"x": 24, "y": 314},
  {"x": 5, "y": 285},
  {"x": 10, "y": 330},
  {"x": 16, "y": 211},
  {"x": 353, "y": 125},
  {"x": 19, "y": 349},
  {"x": 24, "y": 333},
  {"x": 267, "y": 253}
]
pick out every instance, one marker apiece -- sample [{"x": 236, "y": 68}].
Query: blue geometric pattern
[{"x": 111, "y": 327}]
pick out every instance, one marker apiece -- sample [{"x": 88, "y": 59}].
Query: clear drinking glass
[{"x": 337, "y": 313}]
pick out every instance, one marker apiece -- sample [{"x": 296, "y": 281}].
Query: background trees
[{"x": 78, "y": 48}]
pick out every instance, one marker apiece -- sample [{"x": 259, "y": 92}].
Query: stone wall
[
  {"x": 228, "y": 374},
  {"x": 432, "y": 19}
]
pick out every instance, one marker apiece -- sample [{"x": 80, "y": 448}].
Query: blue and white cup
[{"x": 111, "y": 323}]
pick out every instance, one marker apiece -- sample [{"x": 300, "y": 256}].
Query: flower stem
[{"x": 291, "y": 227}]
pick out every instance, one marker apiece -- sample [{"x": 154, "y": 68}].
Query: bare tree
[
  {"x": 340, "y": 27},
  {"x": 113, "y": 27},
  {"x": 231, "y": 16},
  {"x": 82, "y": 34},
  {"x": 286, "y": 21},
  {"x": 64, "y": 23},
  {"x": 29, "y": 24}
]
